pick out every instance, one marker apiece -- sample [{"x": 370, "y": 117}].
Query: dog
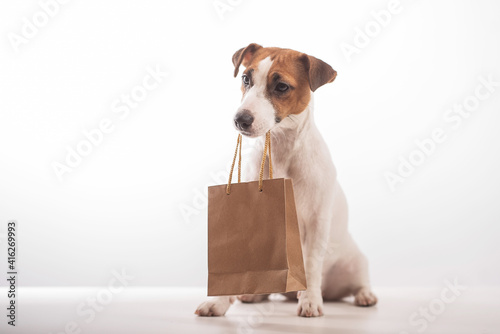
[{"x": 278, "y": 86}]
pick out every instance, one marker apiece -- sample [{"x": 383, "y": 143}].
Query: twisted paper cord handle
[{"x": 237, "y": 152}]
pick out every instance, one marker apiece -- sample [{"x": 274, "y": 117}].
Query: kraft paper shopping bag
[{"x": 253, "y": 235}]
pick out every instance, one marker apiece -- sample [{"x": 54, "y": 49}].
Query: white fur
[
  {"x": 335, "y": 267},
  {"x": 256, "y": 102}
]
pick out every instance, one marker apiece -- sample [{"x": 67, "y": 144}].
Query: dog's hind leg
[
  {"x": 214, "y": 307},
  {"x": 348, "y": 276},
  {"x": 291, "y": 295},
  {"x": 363, "y": 296},
  {"x": 253, "y": 298}
]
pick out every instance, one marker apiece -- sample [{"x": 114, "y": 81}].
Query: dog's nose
[{"x": 243, "y": 120}]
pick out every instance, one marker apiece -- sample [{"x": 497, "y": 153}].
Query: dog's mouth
[
  {"x": 247, "y": 133},
  {"x": 253, "y": 132},
  {"x": 256, "y": 133}
]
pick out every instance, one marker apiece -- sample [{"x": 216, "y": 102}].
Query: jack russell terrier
[{"x": 278, "y": 86}]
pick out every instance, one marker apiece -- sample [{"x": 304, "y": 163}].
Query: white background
[{"x": 122, "y": 206}]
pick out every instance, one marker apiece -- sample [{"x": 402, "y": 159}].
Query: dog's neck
[
  {"x": 293, "y": 128},
  {"x": 293, "y": 136},
  {"x": 299, "y": 123}
]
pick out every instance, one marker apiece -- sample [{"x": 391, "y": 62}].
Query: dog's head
[{"x": 276, "y": 83}]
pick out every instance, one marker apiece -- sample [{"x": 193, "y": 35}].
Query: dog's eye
[
  {"x": 282, "y": 87},
  {"x": 246, "y": 79}
]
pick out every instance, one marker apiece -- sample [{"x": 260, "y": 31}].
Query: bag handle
[
  {"x": 237, "y": 152},
  {"x": 238, "y": 149},
  {"x": 267, "y": 147}
]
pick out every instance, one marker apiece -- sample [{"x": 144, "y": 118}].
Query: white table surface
[{"x": 170, "y": 310}]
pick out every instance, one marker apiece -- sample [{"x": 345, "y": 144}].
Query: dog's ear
[
  {"x": 318, "y": 71},
  {"x": 243, "y": 56}
]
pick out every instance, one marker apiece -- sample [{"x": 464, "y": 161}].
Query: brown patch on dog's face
[{"x": 285, "y": 78}]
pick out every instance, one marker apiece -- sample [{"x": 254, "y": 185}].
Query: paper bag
[{"x": 253, "y": 235}]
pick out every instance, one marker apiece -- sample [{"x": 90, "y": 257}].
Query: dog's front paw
[
  {"x": 214, "y": 307},
  {"x": 310, "y": 305}
]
